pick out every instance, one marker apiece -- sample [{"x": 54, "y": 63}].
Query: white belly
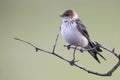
[{"x": 73, "y": 36}]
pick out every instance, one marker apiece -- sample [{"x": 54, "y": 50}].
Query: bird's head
[{"x": 69, "y": 15}]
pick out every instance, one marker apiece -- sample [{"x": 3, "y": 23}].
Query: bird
[{"x": 75, "y": 33}]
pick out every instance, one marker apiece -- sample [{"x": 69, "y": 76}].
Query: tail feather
[
  {"x": 102, "y": 56},
  {"x": 94, "y": 55},
  {"x": 94, "y": 52}
]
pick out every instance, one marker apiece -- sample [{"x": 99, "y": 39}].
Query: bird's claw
[
  {"x": 68, "y": 47},
  {"x": 81, "y": 50}
]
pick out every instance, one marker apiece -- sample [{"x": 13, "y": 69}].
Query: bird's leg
[
  {"x": 74, "y": 53},
  {"x": 73, "y": 60}
]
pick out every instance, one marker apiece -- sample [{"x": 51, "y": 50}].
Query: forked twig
[{"x": 109, "y": 73}]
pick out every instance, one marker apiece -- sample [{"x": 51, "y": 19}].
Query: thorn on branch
[
  {"x": 113, "y": 50},
  {"x": 36, "y": 49}
]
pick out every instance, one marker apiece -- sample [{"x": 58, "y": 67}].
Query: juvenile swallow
[{"x": 76, "y": 34}]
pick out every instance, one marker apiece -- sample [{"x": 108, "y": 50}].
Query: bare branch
[
  {"x": 55, "y": 43},
  {"x": 114, "y": 68},
  {"x": 109, "y": 73},
  {"x": 80, "y": 49},
  {"x": 111, "y": 51}
]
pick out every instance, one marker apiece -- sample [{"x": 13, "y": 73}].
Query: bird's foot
[
  {"x": 81, "y": 50},
  {"x": 68, "y": 47}
]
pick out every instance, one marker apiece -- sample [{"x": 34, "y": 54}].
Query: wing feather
[{"x": 81, "y": 28}]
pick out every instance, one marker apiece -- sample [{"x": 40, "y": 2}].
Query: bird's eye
[{"x": 67, "y": 15}]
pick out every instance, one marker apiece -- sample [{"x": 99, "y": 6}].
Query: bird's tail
[{"x": 94, "y": 51}]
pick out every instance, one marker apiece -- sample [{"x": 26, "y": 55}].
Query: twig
[
  {"x": 114, "y": 68},
  {"x": 109, "y": 73},
  {"x": 80, "y": 49},
  {"x": 55, "y": 43},
  {"x": 115, "y": 54}
]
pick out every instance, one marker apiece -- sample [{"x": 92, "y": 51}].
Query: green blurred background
[{"x": 38, "y": 22}]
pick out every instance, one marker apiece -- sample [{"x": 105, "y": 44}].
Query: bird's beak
[{"x": 61, "y": 15}]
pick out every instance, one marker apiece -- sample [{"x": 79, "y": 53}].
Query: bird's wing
[{"x": 81, "y": 28}]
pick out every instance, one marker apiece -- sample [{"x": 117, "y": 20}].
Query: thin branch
[
  {"x": 36, "y": 48},
  {"x": 115, "y": 54},
  {"x": 55, "y": 43},
  {"x": 80, "y": 49},
  {"x": 109, "y": 73},
  {"x": 111, "y": 51},
  {"x": 114, "y": 68}
]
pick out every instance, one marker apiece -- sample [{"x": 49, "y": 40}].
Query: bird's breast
[{"x": 73, "y": 36}]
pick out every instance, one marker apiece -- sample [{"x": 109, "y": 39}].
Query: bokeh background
[{"x": 38, "y": 22}]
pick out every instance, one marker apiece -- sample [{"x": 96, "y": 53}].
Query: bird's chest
[
  {"x": 72, "y": 35},
  {"x": 69, "y": 32}
]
